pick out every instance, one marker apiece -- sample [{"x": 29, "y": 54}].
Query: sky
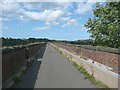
[{"x": 52, "y": 20}]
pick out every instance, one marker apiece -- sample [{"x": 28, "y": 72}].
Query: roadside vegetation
[
  {"x": 104, "y": 27},
  {"x": 98, "y": 83},
  {"x": 16, "y": 79},
  {"x": 10, "y": 42},
  {"x": 101, "y": 48}
]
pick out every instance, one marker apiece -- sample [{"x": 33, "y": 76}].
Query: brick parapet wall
[
  {"x": 15, "y": 59},
  {"x": 11, "y": 62},
  {"x": 108, "y": 59}
]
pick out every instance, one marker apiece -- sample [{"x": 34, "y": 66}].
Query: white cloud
[
  {"x": 94, "y": 1},
  {"x": 49, "y": 17},
  {"x": 15, "y": 9},
  {"x": 85, "y": 7},
  {"x": 65, "y": 18},
  {"x": 10, "y": 9},
  {"x": 50, "y": 13},
  {"x": 41, "y": 28},
  {"x": 47, "y": 5},
  {"x": 46, "y": 15},
  {"x": 50, "y": 0},
  {"x": 52, "y": 23},
  {"x": 71, "y": 22}
]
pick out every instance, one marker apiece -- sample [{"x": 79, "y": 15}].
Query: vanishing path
[
  {"x": 52, "y": 70},
  {"x": 57, "y": 72}
]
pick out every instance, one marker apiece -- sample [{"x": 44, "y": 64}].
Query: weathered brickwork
[
  {"x": 15, "y": 59},
  {"x": 109, "y": 59}
]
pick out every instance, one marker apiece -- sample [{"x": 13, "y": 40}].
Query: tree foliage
[
  {"x": 14, "y": 42},
  {"x": 105, "y": 26},
  {"x": 82, "y": 42}
]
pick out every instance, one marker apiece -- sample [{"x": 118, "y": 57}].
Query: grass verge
[{"x": 88, "y": 76}]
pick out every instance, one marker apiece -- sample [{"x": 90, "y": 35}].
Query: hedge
[{"x": 99, "y": 48}]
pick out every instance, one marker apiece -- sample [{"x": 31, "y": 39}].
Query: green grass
[
  {"x": 16, "y": 79},
  {"x": 101, "y": 48},
  {"x": 88, "y": 76}
]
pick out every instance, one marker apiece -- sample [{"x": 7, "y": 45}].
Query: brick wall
[
  {"x": 109, "y": 59},
  {"x": 32, "y": 49},
  {"x": 16, "y": 58},
  {"x": 11, "y": 62}
]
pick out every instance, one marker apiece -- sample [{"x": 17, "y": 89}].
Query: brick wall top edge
[
  {"x": 92, "y": 49},
  {"x": 8, "y": 50}
]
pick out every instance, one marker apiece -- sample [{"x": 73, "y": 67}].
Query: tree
[{"x": 105, "y": 25}]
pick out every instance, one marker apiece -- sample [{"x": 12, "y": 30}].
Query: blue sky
[{"x": 53, "y": 20}]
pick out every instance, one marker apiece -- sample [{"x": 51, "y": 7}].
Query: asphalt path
[
  {"x": 57, "y": 72},
  {"x": 52, "y": 70}
]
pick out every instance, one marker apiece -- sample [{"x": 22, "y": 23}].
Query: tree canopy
[
  {"x": 105, "y": 26},
  {"x": 13, "y": 42}
]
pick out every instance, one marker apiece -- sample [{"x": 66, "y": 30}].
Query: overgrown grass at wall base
[
  {"x": 88, "y": 76},
  {"x": 16, "y": 79}
]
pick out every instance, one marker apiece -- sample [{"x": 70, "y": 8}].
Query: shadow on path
[{"x": 29, "y": 78}]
